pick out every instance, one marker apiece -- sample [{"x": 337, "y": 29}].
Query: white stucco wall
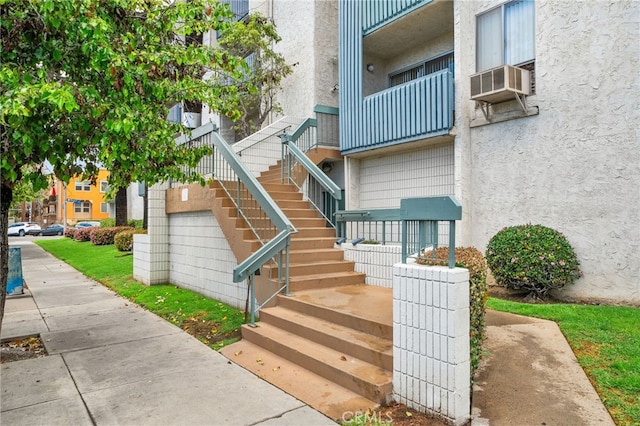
[
  {"x": 201, "y": 260},
  {"x": 309, "y": 32},
  {"x": 574, "y": 167}
]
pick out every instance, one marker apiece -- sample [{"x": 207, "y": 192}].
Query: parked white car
[{"x": 23, "y": 228}]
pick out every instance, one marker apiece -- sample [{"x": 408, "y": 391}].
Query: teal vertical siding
[
  {"x": 418, "y": 109},
  {"x": 376, "y": 13}
]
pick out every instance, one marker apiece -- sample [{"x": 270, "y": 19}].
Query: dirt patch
[
  {"x": 21, "y": 349},
  {"x": 208, "y": 332},
  {"x": 400, "y": 415},
  {"x": 519, "y": 296}
]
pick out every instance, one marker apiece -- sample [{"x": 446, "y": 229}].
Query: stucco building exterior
[{"x": 568, "y": 159}]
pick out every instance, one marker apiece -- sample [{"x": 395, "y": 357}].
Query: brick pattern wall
[
  {"x": 384, "y": 181},
  {"x": 431, "y": 368},
  {"x": 201, "y": 259},
  {"x": 374, "y": 260}
]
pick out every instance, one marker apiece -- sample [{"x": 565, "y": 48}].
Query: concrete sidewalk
[{"x": 111, "y": 362}]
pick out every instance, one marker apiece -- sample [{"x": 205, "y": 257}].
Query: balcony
[
  {"x": 415, "y": 110},
  {"x": 390, "y": 93}
]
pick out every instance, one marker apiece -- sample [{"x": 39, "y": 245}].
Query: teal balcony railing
[
  {"x": 418, "y": 109},
  {"x": 419, "y": 226}
]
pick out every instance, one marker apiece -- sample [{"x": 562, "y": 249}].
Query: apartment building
[{"x": 524, "y": 110}]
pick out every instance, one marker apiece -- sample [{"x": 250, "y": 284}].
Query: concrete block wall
[
  {"x": 431, "y": 366},
  {"x": 374, "y": 260},
  {"x": 201, "y": 259},
  {"x": 385, "y": 180},
  {"x": 151, "y": 251}
]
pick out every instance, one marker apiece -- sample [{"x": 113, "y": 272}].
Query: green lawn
[
  {"x": 606, "y": 341},
  {"x": 213, "y": 322}
]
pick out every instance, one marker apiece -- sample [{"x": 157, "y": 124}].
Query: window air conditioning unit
[{"x": 500, "y": 84}]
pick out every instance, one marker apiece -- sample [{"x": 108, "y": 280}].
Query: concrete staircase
[{"x": 330, "y": 342}]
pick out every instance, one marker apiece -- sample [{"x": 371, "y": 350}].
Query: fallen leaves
[{"x": 19, "y": 349}]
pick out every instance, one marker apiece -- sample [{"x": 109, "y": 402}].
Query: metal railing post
[
  {"x": 452, "y": 243},
  {"x": 252, "y": 295}
]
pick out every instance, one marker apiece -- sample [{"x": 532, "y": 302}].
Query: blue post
[
  {"x": 14, "y": 279},
  {"x": 452, "y": 243}
]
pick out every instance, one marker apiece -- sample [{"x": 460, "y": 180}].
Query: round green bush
[
  {"x": 124, "y": 240},
  {"x": 533, "y": 258}
]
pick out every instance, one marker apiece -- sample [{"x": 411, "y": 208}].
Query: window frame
[
  {"x": 83, "y": 185},
  {"x": 504, "y": 42},
  {"x": 83, "y": 207},
  {"x": 105, "y": 184}
]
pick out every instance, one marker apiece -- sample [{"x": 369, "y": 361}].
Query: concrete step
[
  {"x": 360, "y": 307},
  {"x": 317, "y": 265},
  {"x": 353, "y": 343},
  {"x": 365, "y": 379},
  {"x": 309, "y": 232},
  {"x": 304, "y": 256},
  {"x": 322, "y": 281},
  {"x": 311, "y": 243},
  {"x": 310, "y": 222},
  {"x": 292, "y": 204},
  {"x": 336, "y": 402},
  {"x": 292, "y": 213}
]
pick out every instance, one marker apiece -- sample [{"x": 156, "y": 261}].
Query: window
[
  {"x": 83, "y": 207},
  {"x": 427, "y": 67},
  {"x": 103, "y": 208},
  {"x": 104, "y": 186},
  {"x": 83, "y": 185},
  {"x": 506, "y": 35}
]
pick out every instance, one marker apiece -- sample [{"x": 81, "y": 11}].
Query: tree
[
  {"x": 252, "y": 39},
  {"x": 89, "y": 82}
]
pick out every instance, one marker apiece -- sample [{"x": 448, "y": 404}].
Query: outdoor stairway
[{"x": 330, "y": 342}]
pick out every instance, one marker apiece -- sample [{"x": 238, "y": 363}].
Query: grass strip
[
  {"x": 212, "y": 322},
  {"x": 606, "y": 341}
]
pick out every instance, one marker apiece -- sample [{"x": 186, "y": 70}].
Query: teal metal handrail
[
  {"x": 416, "y": 223},
  {"x": 297, "y": 168},
  {"x": 264, "y": 217}
]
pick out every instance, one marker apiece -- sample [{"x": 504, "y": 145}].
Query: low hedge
[
  {"x": 83, "y": 234},
  {"x": 471, "y": 259},
  {"x": 106, "y": 236},
  {"x": 124, "y": 240},
  {"x": 69, "y": 232}
]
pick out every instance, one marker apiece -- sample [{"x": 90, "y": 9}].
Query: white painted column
[
  {"x": 151, "y": 251},
  {"x": 431, "y": 366}
]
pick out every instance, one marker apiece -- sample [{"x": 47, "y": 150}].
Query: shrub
[
  {"x": 108, "y": 222},
  {"x": 69, "y": 232},
  {"x": 124, "y": 240},
  {"x": 471, "y": 259},
  {"x": 83, "y": 234},
  {"x": 135, "y": 223},
  {"x": 532, "y": 257},
  {"x": 105, "y": 236}
]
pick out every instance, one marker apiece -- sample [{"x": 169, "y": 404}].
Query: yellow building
[{"x": 83, "y": 200}]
